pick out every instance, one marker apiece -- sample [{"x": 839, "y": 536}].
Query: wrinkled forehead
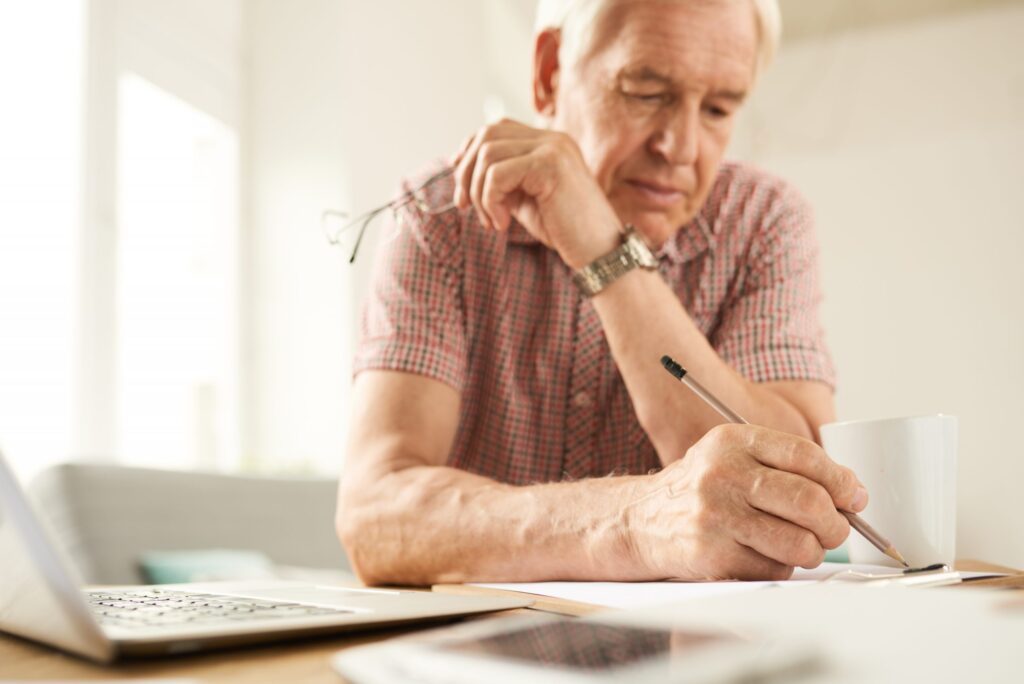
[{"x": 686, "y": 40}]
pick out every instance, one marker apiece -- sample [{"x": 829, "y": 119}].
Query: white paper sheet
[
  {"x": 642, "y": 594},
  {"x": 881, "y": 635}
]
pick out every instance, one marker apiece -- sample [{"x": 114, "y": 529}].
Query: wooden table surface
[{"x": 299, "y": 662}]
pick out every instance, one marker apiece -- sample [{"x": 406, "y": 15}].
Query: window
[
  {"x": 176, "y": 300},
  {"x": 118, "y": 233},
  {"x": 41, "y": 73}
]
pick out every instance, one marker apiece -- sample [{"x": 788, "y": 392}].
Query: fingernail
[
  {"x": 458, "y": 197},
  {"x": 860, "y": 500}
]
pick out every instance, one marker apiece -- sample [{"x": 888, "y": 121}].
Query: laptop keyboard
[{"x": 168, "y": 608}]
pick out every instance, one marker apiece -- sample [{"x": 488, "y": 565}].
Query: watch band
[{"x": 605, "y": 270}]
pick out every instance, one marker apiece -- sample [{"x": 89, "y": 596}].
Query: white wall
[
  {"x": 908, "y": 140},
  {"x": 345, "y": 98}
]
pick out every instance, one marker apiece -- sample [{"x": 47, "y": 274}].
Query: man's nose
[{"x": 677, "y": 140}]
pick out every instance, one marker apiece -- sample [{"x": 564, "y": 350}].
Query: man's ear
[{"x": 545, "y": 71}]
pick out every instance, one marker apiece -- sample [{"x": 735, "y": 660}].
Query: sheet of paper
[
  {"x": 881, "y": 635},
  {"x": 641, "y": 594}
]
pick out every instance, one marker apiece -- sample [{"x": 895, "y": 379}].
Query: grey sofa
[{"x": 106, "y": 517}]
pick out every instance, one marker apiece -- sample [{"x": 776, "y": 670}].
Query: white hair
[{"x": 575, "y": 19}]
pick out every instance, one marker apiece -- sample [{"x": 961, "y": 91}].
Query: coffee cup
[{"x": 909, "y": 468}]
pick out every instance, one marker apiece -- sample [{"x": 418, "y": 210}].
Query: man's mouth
[{"x": 656, "y": 193}]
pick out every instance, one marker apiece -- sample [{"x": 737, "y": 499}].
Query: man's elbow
[
  {"x": 370, "y": 535},
  {"x": 352, "y": 524}
]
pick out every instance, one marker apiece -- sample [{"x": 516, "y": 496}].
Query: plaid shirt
[{"x": 497, "y": 317}]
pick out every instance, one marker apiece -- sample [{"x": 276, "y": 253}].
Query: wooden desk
[
  {"x": 300, "y": 662},
  {"x": 294, "y": 663}
]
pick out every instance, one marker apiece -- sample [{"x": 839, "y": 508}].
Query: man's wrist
[
  {"x": 609, "y": 542},
  {"x": 630, "y": 525},
  {"x": 598, "y": 243}
]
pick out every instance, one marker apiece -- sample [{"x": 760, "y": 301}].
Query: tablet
[{"x": 554, "y": 650}]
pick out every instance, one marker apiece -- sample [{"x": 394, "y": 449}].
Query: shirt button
[{"x": 582, "y": 400}]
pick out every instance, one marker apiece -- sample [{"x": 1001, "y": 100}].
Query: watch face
[
  {"x": 605, "y": 270},
  {"x": 639, "y": 250}
]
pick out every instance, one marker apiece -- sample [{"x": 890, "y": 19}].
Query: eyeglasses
[{"x": 336, "y": 223}]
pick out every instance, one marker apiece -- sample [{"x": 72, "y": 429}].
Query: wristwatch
[{"x": 605, "y": 270}]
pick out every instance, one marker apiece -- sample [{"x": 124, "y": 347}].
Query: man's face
[{"x": 652, "y": 104}]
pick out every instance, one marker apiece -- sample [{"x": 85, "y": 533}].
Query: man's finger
[
  {"x": 489, "y": 155},
  {"x": 464, "y": 170},
  {"x": 801, "y": 501},
  {"x": 777, "y": 539},
  {"x": 745, "y": 563},
  {"x": 511, "y": 183},
  {"x": 457, "y": 157},
  {"x": 721, "y": 557},
  {"x": 503, "y": 130},
  {"x": 803, "y": 457}
]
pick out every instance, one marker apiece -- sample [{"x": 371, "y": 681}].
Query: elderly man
[{"x": 510, "y": 353}]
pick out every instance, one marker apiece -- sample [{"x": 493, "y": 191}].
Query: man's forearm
[
  {"x": 673, "y": 418},
  {"x": 425, "y": 525}
]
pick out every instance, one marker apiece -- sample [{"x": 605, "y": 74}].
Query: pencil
[{"x": 856, "y": 522}]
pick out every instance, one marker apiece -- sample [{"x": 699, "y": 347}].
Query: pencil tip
[{"x": 898, "y": 556}]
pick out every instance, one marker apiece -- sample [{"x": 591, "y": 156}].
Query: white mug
[{"x": 909, "y": 468}]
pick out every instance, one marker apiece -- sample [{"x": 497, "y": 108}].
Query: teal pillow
[{"x": 173, "y": 567}]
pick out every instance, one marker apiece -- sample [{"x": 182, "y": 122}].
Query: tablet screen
[{"x": 584, "y": 645}]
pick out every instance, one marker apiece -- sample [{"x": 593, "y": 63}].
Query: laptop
[{"x": 41, "y": 599}]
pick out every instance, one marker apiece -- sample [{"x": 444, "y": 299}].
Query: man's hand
[
  {"x": 538, "y": 177},
  {"x": 745, "y": 502}
]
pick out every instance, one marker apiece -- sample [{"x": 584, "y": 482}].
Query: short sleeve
[
  {"x": 771, "y": 329},
  {"x": 414, "y": 319}
]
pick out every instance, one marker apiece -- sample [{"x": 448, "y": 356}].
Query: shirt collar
[{"x": 691, "y": 240}]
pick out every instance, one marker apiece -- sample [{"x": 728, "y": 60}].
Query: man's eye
[
  {"x": 716, "y": 112},
  {"x": 649, "y": 98}
]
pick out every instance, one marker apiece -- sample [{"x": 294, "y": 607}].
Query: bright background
[{"x": 167, "y": 296}]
